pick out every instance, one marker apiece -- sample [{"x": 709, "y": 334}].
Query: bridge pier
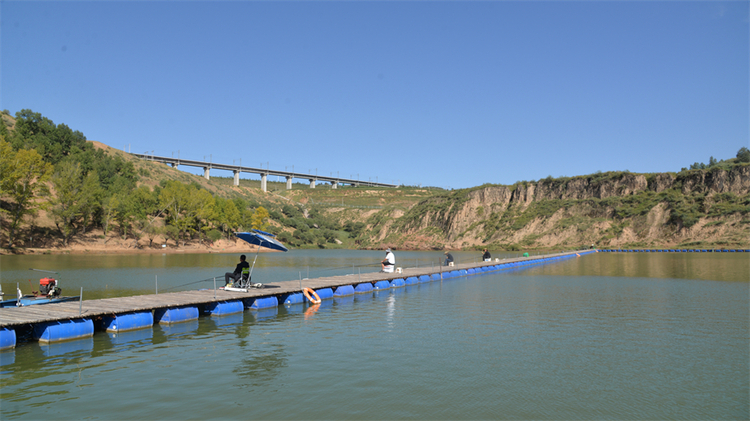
[
  {"x": 288, "y": 182},
  {"x": 236, "y": 178},
  {"x": 312, "y": 183},
  {"x": 174, "y": 165},
  {"x": 334, "y": 185},
  {"x": 206, "y": 174},
  {"x": 264, "y": 182}
]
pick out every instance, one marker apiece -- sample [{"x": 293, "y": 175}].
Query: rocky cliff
[{"x": 692, "y": 208}]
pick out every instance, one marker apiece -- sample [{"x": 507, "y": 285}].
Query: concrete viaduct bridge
[{"x": 264, "y": 173}]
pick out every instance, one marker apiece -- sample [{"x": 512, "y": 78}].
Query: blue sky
[{"x": 447, "y": 94}]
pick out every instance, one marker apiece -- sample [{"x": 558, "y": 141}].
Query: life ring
[{"x": 311, "y": 295}]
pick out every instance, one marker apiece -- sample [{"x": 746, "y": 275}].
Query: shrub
[
  {"x": 743, "y": 155},
  {"x": 214, "y": 235}
]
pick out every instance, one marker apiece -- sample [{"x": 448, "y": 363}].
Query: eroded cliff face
[
  {"x": 586, "y": 188},
  {"x": 480, "y": 202},
  {"x": 587, "y": 210},
  {"x": 736, "y": 181}
]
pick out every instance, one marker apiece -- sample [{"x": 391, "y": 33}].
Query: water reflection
[
  {"x": 173, "y": 331},
  {"x": 259, "y": 366},
  {"x": 7, "y": 356},
  {"x": 733, "y": 267},
  {"x": 131, "y": 337},
  {"x": 73, "y": 349},
  {"x": 225, "y": 321},
  {"x": 264, "y": 314}
]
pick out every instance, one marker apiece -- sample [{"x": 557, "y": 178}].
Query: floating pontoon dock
[{"x": 73, "y": 320}]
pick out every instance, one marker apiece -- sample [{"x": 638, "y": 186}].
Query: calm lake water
[{"x": 603, "y": 336}]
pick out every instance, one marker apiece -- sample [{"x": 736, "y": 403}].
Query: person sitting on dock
[
  {"x": 448, "y": 258},
  {"x": 237, "y": 274},
  {"x": 389, "y": 263},
  {"x": 486, "y": 256}
]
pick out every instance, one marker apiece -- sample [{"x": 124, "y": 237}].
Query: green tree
[
  {"x": 7, "y": 155},
  {"x": 200, "y": 210},
  {"x": 109, "y": 212},
  {"x": 90, "y": 199},
  {"x": 743, "y": 155},
  {"x": 173, "y": 198},
  {"x": 75, "y": 198},
  {"x": 141, "y": 205},
  {"x": 190, "y": 208},
  {"x": 172, "y": 233},
  {"x": 53, "y": 143},
  {"x": 125, "y": 214},
  {"x": 151, "y": 231},
  {"x": 227, "y": 216},
  {"x": 260, "y": 219},
  {"x": 23, "y": 180}
]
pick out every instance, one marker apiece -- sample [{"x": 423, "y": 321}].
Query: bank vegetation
[{"x": 61, "y": 192}]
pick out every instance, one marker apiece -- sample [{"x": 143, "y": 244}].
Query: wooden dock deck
[{"x": 34, "y": 314}]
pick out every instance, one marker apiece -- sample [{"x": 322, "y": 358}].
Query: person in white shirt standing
[{"x": 389, "y": 263}]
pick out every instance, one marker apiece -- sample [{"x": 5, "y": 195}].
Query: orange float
[{"x": 311, "y": 295}]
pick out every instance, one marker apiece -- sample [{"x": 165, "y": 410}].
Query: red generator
[{"x": 48, "y": 287}]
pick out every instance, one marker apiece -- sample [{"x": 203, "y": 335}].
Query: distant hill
[
  {"x": 708, "y": 207},
  {"x": 695, "y": 208}
]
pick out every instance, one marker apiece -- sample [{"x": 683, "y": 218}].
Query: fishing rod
[
  {"x": 40, "y": 270},
  {"x": 349, "y": 267},
  {"x": 192, "y": 283}
]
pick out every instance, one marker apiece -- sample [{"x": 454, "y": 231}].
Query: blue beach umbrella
[{"x": 262, "y": 239}]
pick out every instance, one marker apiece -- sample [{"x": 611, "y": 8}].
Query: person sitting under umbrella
[{"x": 237, "y": 274}]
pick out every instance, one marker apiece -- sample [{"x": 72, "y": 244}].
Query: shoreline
[
  {"x": 81, "y": 249},
  {"x": 198, "y": 249}
]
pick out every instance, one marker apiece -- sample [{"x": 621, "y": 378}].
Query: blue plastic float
[
  {"x": 293, "y": 298},
  {"x": 222, "y": 308},
  {"x": 363, "y": 288},
  {"x": 412, "y": 280},
  {"x": 7, "y": 338},
  {"x": 398, "y": 282},
  {"x": 343, "y": 290},
  {"x": 424, "y": 278},
  {"x": 325, "y": 293},
  {"x": 63, "y": 330},
  {"x": 127, "y": 321},
  {"x": 262, "y": 302},
  {"x": 176, "y": 314},
  {"x": 382, "y": 285}
]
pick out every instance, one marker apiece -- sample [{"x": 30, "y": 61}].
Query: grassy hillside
[{"x": 703, "y": 206}]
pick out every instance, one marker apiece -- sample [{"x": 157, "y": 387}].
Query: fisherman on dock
[
  {"x": 486, "y": 256},
  {"x": 389, "y": 263},
  {"x": 237, "y": 271},
  {"x": 448, "y": 258}
]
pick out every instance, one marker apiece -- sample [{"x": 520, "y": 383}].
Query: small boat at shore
[{"x": 49, "y": 292}]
